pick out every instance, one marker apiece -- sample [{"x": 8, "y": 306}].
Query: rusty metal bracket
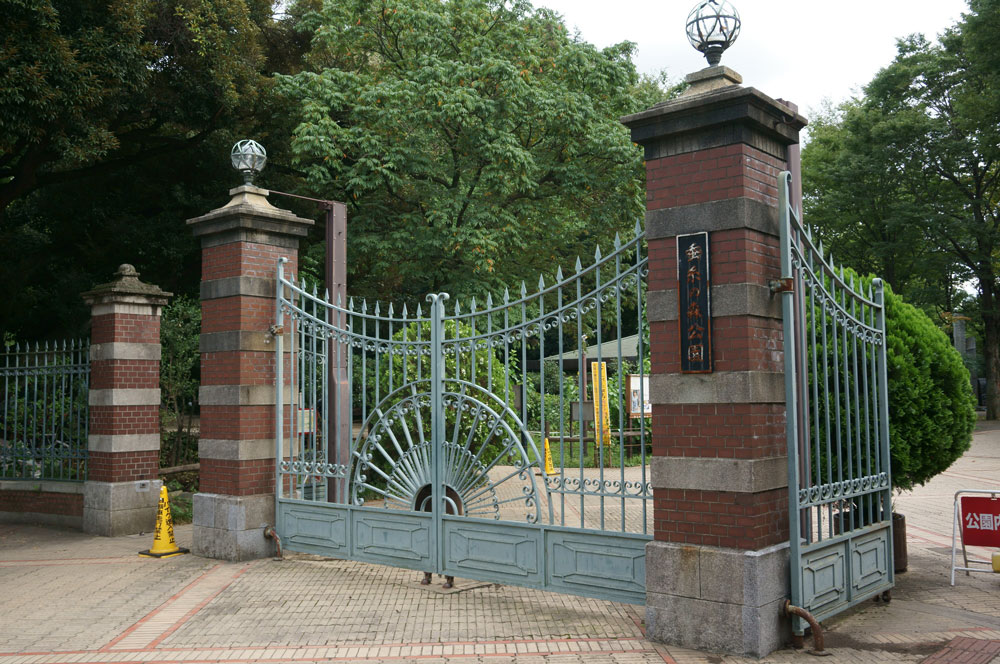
[
  {"x": 275, "y": 330},
  {"x": 782, "y": 285}
]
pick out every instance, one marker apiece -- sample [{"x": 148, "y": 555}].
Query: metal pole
[{"x": 339, "y": 451}]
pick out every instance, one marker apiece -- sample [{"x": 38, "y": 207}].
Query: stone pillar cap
[
  {"x": 126, "y": 286},
  {"x": 710, "y": 78},
  {"x": 249, "y": 209}
]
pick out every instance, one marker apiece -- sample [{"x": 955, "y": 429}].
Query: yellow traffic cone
[
  {"x": 549, "y": 468},
  {"x": 164, "y": 545}
]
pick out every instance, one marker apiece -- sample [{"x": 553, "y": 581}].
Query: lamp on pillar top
[
  {"x": 249, "y": 158},
  {"x": 712, "y": 27}
]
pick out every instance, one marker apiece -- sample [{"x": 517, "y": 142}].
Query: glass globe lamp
[
  {"x": 712, "y": 27},
  {"x": 248, "y": 158}
]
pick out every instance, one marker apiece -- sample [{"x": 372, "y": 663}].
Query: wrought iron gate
[
  {"x": 836, "y": 396},
  {"x": 417, "y": 437}
]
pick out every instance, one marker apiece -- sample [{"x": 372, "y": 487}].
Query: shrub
[{"x": 931, "y": 405}]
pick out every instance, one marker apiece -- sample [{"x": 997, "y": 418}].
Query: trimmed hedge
[{"x": 932, "y": 410}]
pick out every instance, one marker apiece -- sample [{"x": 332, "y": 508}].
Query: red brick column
[
  {"x": 241, "y": 245},
  {"x": 122, "y": 488},
  {"x": 717, "y": 571}
]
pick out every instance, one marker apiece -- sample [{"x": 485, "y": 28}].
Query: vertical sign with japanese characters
[
  {"x": 695, "y": 315},
  {"x": 980, "y": 521}
]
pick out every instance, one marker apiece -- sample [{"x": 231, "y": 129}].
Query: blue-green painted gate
[
  {"x": 416, "y": 437},
  {"x": 837, "y": 405}
]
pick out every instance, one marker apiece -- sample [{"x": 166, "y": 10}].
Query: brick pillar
[
  {"x": 122, "y": 489},
  {"x": 717, "y": 571},
  {"x": 241, "y": 244}
]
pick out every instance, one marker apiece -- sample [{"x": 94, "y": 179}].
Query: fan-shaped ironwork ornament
[
  {"x": 249, "y": 158},
  {"x": 712, "y": 27}
]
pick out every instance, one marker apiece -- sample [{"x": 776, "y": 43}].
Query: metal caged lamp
[
  {"x": 249, "y": 158},
  {"x": 712, "y": 27}
]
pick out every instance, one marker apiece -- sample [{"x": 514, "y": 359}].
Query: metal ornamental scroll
[{"x": 695, "y": 315}]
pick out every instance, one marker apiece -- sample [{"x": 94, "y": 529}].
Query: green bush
[{"x": 931, "y": 405}]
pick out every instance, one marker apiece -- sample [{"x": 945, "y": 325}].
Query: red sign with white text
[{"x": 980, "y": 521}]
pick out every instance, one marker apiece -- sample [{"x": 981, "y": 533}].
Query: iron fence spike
[
  {"x": 473, "y": 304},
  {"x": 597, "y": 253},
  {"x": 404, "y": 311},
  {"x": 420, "y": 311},
  {"x": 638, "y": 227},
  {"x": 489, "y": 300},
  {"x": 579, "y": 265},
  {"x": 390, "y": 310},
  {"x": 618, "y": 241},
  {"x": 524, "y": 288},
  {"x": 506, "y": 294},
  {"x": 559, "y": 274},
  {"x": 541, "y": 283}
]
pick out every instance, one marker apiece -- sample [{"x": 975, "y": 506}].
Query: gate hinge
[
  {"x": 275, "y": 330},
  {"x": 786, "y": 285}
]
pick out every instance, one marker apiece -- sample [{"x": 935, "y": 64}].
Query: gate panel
[
  {"x": 494, "y": 442},
  {"x": 836, "y": 395}
]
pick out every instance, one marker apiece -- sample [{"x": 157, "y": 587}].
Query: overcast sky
[{"x": 801, "y": 50}]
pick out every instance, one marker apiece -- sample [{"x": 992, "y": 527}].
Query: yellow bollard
[
  {"x": 996, "y": 562},
  {"x": 549, "y": 468},
  {"x": 164, "y": 545}
]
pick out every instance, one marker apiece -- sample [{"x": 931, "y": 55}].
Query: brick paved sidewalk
[{"x": 68, "y": 597}]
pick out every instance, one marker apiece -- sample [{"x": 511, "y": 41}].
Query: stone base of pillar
[
  {"x": 721, "y": 600},
  {"x": 112, "y": 509},
  {"x": 232, "y": 527}
]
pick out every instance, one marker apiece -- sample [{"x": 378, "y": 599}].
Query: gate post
[
  {"x": 717, "y": 571},
  {"x": 241, "y": 244},
  {"x": 122, "y": 490}
]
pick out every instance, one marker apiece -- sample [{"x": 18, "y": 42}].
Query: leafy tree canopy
[
  {"x": 913, "y": 169},
  {"x": 476, "y": 142},
  {"x": 87, "y": 87}
]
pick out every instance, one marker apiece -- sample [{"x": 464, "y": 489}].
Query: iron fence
[{"x": 43, "y": 435}]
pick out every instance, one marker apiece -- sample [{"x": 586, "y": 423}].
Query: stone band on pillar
[
  {"x": 717, "y": 572},
  {"x": 241, "y": 245},
  {"x": 122, "y": 489}
]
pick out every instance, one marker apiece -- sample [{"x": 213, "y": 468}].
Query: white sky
[{"x": 799, "y": 50}]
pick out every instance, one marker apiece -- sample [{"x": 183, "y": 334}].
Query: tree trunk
[{"x": 991, "y": 347}]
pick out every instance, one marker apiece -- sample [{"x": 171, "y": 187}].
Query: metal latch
[{"x": 786, "y": 285}]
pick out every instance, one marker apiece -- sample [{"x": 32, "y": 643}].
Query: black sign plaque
[{"x": 694, "y": 303}]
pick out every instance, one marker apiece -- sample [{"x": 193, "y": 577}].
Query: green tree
[
  {"x": 931, "y": 122},
  {"x": 475, "y": 141},
  {"x": 167, "y": 87},
  {"x": 88, "y": 87}
]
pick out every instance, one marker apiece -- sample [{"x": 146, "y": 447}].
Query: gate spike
[
  {"x": 489, "y": 300},
  {"x": 378, "y": 307},
  {"x": 524, "y": 289},
  {"x": 841, "y": 272},
  {"x": 420, "y": 312},
  {"x": 390, "y": 310},
  {"x": 638, "y": 227},
  {"x": 869, "y": 291},
  {"x": 314, "y": 289},
  {"x": 618, "y": 241},
  {"x": 473, "y": 304},
  {"x": 506, "y": 294},
  {"x": 559, "y": 274},
  {"x": 820, "y": 249},
  {"x": 597, "y": 253},
  {"x": 364, "y": 305},
  {"x": 340, "y": 303},
  {"x": 458, "y": 306},
  {"x": 579, "y": 265},
  {"x": 404, "y": 311},
  {"x": 541, "y": 283},
  {"x": 350, "y": 303}
]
